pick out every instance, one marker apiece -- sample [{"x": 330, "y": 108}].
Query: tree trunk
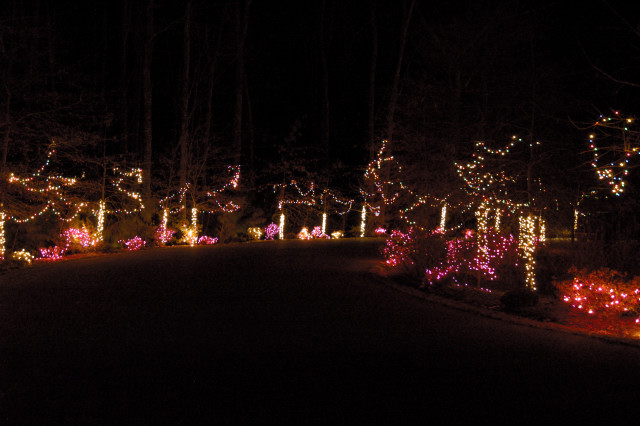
[
  {"x": 251, "y": 165},
  {"x": 393, "y": 98},
  {"x": 372, "y": 83},
  {"x": 324, "y": 131},
  {"x": 242, "y": 22},
  {"x": 148, "y": 102},
  {"x": 7, "y": 133},
  {"x": 183, "y": 141},
  {"x": 124, "y": 102}
]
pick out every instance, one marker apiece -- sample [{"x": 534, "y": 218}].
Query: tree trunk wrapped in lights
[
  {"x": 2, "y": 238},
  {"x": 527, "y": 244}
]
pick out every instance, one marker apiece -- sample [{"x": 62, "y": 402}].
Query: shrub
[
  {"x": 604, "y": 291},
  {"x": 414, "y": 251}
]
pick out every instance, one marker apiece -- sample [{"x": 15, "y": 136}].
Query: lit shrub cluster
[
  {"x": 499, "y": 253},
  {"x": 438, "y": 259},
  {"x": 603, "y": 292},
  {"x": 135, "y": 243},
  {"x": 414, "y": 251},
  {"x": 254, "y": 233},
  {"x": 271, "y": 231},
  {"x": 316, "y": 232},
  {"x": 206, "y": 240},
  {"x": 72, "y": 239}
]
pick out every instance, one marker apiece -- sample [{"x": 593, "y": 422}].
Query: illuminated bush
[
  {"x": 499, "y": 259},
  {"x": 414, "y": 251},
  {"x": 255, "y": 233},
  {"x": 271, "y": 231},
  {"x": 135, "y": 243},
  {"x": 206, "y": 240},
  {"x": 603, "y": 292}
]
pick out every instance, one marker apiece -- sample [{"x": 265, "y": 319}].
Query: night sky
[{"x": 471, "y": 70}]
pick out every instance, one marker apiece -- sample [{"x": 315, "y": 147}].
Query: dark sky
[{"x": 500, "y": 53}]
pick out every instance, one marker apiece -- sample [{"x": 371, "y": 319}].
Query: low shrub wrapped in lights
[
  {"x": 414, "y": 251},
  {"x": 52, "y": 253},
  {"x": 255, "y": 233},
  {"x": 271, "y": 231},
  {"x": 304, "y": 234},
  {"x": 163, "y": 235},
  {"x": 205, "y": 240},
  {"x": 603, "y": 292},
  {"x": 135, "y": 243},
  {"x": 22, "y": 256},
  {"x": 317, "y": 233}
]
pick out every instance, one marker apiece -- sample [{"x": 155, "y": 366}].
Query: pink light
[
  {"x": 205, "y": 240},
  {"x": 52, "y": 253},
  {"x": 164, "y": 234},
  {"x": 135, "y": 243},
  {"x": 317, "y": 233},
  {"x": 380, "y": 231},
  {"x": 81, "y": 236},
  {"x": 271, "y": 231}
]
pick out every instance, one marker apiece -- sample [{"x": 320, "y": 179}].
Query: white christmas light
[
  {"x": 281, "y": 228},
  {"x": 443, "y": 218},
  {"x": 2, "y": 239},
  {"x": 324, "y": 223}
]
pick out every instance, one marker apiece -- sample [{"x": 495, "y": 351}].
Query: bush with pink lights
[
  {"x": 603, "y": 292},
  {"x": 432, "y": 258}
]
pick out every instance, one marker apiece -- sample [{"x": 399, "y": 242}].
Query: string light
[
  {"x": 79, "y": 236},
  {"x": 336, "y": 234},
  {"x": 317, "y": 233},
  {"x": 615, "y": 157},
  {"x": 281, "y": 227},
  {"x": 122, "y": 182},
  {"x": 206, "y": 240},
  {"x": 527, "y": 247},
  {"x": 443, "y": 218},
  {"x": 100, "y": 226},
  {"x": 2, "y": 238},
  {"x": 255, "y": 233},
  {"x": 135, "y": 243},
  {"x": 163, "y": 233},
  {"x": 47, "y": 186},
  {"x": 601, "y": 292},
  {"x": 22, "y": 256},
  {"x": 270, "y": 231},
  {"x": 52, "y": 253},
  {"x": 363, "y": 219},
  {"x": 191, "y": 232},
  {"x": 493, "y": 185},
  {"x": 482, "y": 217},
  {"x": 304, "y": 234},
  {"x": 324, "y": 223},
  {"x": 381, "y": 179}
]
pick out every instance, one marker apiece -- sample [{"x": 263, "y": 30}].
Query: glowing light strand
[{"x": 611, "y": 164}]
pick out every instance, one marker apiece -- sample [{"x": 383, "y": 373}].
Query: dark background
[{"x": 471, "y": 70}]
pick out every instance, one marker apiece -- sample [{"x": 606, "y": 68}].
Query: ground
[
  {"x": 549, "y": 312},
  {"x": 294, "y": 329}
]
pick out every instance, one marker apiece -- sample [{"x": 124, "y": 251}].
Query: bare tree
[
  {"x": 242, "y": 24},
  {"x": 148, "y": 104},
  {"x": 395, "y": 85}
]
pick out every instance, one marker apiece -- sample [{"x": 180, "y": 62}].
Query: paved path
[{"x": 301, "y": 331}]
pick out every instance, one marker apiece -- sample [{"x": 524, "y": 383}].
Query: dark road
[{"x": 300, "y": 331}]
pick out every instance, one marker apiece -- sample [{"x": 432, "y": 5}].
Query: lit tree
[
  {"x": 382, "y": 185},
  {"x": 615, "y": 143}
]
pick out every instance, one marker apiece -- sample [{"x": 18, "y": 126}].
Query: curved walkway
[{"x": 301, "y": 332}]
